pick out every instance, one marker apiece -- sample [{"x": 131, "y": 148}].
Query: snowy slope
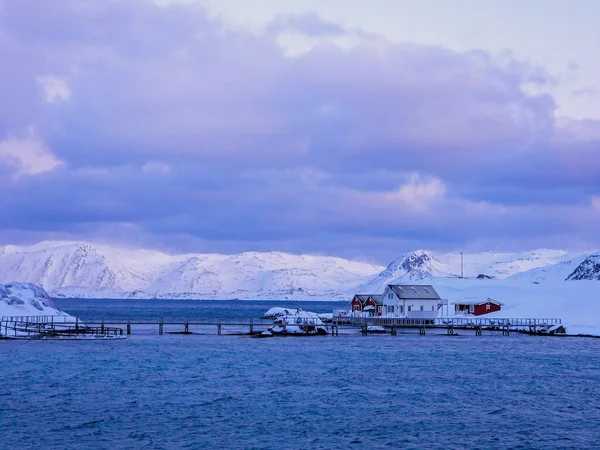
[{"x": 23, "y": 299}]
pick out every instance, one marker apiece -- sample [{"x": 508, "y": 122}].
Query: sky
[{"x": 360, "y": 129}]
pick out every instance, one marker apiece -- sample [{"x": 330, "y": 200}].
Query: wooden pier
[{"x": 62, "y": 327}]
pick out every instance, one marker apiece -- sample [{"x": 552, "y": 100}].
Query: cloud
[
  {"x": 55, "y": 89},
  {"x": 419, "y": 193},
  {"x": 28, "y": 155},
  {"x": 188, "y": 131}
]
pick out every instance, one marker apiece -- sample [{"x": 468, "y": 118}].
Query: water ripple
[{"x": 198, "y": 391}]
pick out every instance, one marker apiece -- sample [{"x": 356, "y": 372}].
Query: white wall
[{"x": 430, "y": 307}]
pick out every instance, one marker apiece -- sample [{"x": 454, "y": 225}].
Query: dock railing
[{"x": 444, "y": 321}]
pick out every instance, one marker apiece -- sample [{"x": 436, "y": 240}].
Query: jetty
[
  {"x": 53, "y": 327},
  {"x": 62, "y": 327}
]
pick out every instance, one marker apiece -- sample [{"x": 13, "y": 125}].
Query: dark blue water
[
  {"x": 199, "y": 391},
  {"x": 186, "y": 309}
]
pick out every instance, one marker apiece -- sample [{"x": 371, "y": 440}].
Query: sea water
[{"x": 350, "y": 391}]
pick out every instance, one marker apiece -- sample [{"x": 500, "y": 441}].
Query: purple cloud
[{"x": 192, "y": 135}]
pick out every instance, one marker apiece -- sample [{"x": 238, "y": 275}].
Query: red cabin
[
  {"x": 477, "y": 307},
  {"x": 356, "y": 304},
  {"x": 370, "y": 303}
]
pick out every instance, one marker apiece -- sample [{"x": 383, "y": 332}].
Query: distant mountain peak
[
  {"x": 589, "y": 269},
  {"x": 420, "y": 261},
  {"x": 413, "y": 266}
]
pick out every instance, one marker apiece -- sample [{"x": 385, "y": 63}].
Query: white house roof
[
  {"x": 414, "y": 291},
  {"x": 468, "y": 302}
]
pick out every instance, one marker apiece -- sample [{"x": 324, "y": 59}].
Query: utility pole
[{"x": 462, "y": 274}]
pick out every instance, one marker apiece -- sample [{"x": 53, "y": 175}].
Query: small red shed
[
  {"x": 477, "y": 307},
  {"x": 356, "y": 304},
  {"x": 370, "y": 303},
  {"x": 367, "y": 303}
]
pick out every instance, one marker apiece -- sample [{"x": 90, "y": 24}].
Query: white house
[{"x": 411, "y": 301}]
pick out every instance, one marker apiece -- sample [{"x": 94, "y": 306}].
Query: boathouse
[
  {"x": 477, "y": 307},
  {"x": 367, "y": 303},
  {"x": 411, "y": 301}
]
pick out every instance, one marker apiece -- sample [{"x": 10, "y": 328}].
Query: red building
[
  {"x": 477, "y": 307},
  {"x": 367, "y": 303}
]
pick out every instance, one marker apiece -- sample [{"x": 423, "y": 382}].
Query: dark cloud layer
[{"x": 158, "y": 125}]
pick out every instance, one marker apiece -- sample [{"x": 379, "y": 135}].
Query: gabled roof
[
  {"x": 364, "y": 297},
  {"x": 414, "y": 291},
  {"x": 468, "y": 302}
]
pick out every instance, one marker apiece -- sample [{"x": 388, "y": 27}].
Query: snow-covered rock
[
  {"x": 25, "y": 299},
  {"x": 295, "y": 321},
  {"x": 589, "y": 269}
]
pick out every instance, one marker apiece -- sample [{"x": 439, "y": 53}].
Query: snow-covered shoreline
[{"x": 25, "y": 299}]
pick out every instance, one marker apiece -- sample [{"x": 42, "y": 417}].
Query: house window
[
  {"x": 401, "y": 309},
  {"x": 390, "y": 295},
  {"x": 410, "y": 308},
  {"x": 390, "y": 308},
  {"x": 421, "y": 308},
  {"x": 471, "y": 308},
  {"x": 433, "y": 308},
  {"x": 487, "y": 307}
]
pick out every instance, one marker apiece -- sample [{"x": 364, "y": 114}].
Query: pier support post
[
  {"x": 219, "y": 328},
  {"x": 394, "y": 331},
  {"x": 160, "y": 326},
  {"x": 77, "y": 324},
  {"x": 478, "y": 331},
  {"x": 364, "y": 330},
  {"x": 129, "y": 325},
  {"x": 251, "y": 325},
  {"x": 505, "y": 331},
  {"x": 450, "y": 330},
  {"x": 102, "y": 326},
  {"x": 422, "y": 331},
  {"x": 186, "y": 327}
]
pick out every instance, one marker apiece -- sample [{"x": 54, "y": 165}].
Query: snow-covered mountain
[
  {"x": 79, "y": 269},
  {"x": 424, "y": 265},
  {"x": 589, "y": 269}
]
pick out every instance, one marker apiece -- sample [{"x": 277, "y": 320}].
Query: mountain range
[{"x": 85, "y": 270}]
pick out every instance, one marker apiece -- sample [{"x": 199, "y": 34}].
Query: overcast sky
[{"x": 362, "y": 129}]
